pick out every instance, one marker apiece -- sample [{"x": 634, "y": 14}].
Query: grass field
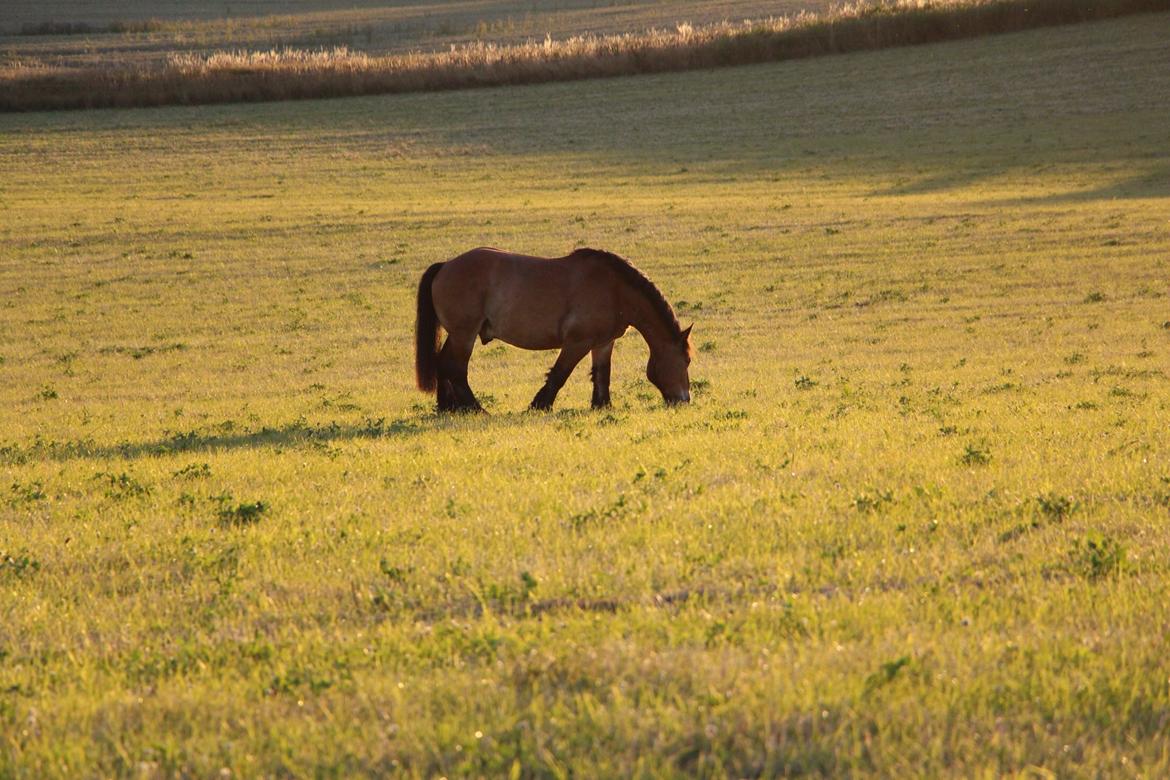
[{"x": 914, "y": 523}]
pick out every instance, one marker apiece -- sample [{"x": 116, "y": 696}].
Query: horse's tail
[{"x": 426, "y": 334}]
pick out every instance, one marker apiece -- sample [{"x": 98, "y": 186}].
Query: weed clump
[
  {"x": 239, "y": 515},
  {"x": 18, "y": 565},
  {"x": 193, "y": 471},
  {"x": 886, "y": 674},
  {"x": 975, "y": 455},
  {"x": 1097, "y": 556},
  {"x": 26, "y": 493},
  {"x": 1056, "y": 507},
  {"x": 388, "y": 594},
  {"x": 871, "y": 502},
  {"x": 121, "y": 486}
]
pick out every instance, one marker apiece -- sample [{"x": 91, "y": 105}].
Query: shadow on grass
[
  {"x": 298, "y": 433},
  {"x": 1152, "y": 184},
  {"x": 291, "y": 435},
  {"x": 940, "y": 182}
]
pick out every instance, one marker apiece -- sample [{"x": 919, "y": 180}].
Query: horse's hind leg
[
  {"x": 570, "y": 356},
  {"x": 453, "y": 359},
  {"x": 444, "y": 387},
  {"x": 446, "y": 394},
  {"x": 601, "y": 363}
]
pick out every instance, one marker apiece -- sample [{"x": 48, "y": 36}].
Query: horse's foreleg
[
  {"x": 454, "y": 392},
  {"x": 570, "y": 356},
  {"x": 601, "y": 363}
]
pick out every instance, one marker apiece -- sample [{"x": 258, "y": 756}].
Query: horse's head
[{"x": 667, "y": 369}]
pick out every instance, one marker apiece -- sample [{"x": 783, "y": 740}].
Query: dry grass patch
[{"x": 282, "y": 74}]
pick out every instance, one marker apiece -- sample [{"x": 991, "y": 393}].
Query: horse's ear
[{"x": 686, "y": 334}]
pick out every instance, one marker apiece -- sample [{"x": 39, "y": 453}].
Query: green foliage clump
[
  {"x": 1097, "y": 556},
  {"x": 238, "y": 514}
]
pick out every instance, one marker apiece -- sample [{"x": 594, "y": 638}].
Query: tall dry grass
[{"x": 223, "y": 77}]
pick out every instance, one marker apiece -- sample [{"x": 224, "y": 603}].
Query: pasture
[{"x": 914, "y": 523}]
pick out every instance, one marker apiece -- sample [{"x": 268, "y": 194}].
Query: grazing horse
[{"x": 579, "y": 303}]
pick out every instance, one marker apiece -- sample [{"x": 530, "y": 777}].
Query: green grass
[{"x": 915, "y": 522}]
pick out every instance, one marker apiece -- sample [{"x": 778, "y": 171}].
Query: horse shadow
[{"x": 297, "y": 434}]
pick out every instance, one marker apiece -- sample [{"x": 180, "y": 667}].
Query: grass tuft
[
  {"x": 17, "y": 565},
  {"x": 1097, "y": 556},
  {"x": 240, "y": 514},
  {"x": 975, "y": 455}
]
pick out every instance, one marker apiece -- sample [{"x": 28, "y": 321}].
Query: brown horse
[{"x": 579, "y": 303}]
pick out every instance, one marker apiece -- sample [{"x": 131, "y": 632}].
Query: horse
[{"x": 579, "y": 303}]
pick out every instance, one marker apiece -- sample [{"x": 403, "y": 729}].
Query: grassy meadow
[{"x": 914, "y": 524}]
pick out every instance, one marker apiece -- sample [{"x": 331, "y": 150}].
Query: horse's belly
[
  {"x": 524, "y": 316},
  {"x": 523, "y": 337}
]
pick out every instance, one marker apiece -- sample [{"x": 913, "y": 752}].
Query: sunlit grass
[{"x": 914, "y": 522}]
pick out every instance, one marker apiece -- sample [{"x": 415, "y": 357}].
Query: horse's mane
[{"x": 639, "y": 282}]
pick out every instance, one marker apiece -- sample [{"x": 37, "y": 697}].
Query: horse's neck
[{"x": 644, "y": 318}]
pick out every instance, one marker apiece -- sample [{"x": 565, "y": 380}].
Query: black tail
[{"x": 426, "y": 334}]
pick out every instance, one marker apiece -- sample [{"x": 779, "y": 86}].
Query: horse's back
[
  {"x": 524, "y": 300},
  {"x": 486, "y": 270}
]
